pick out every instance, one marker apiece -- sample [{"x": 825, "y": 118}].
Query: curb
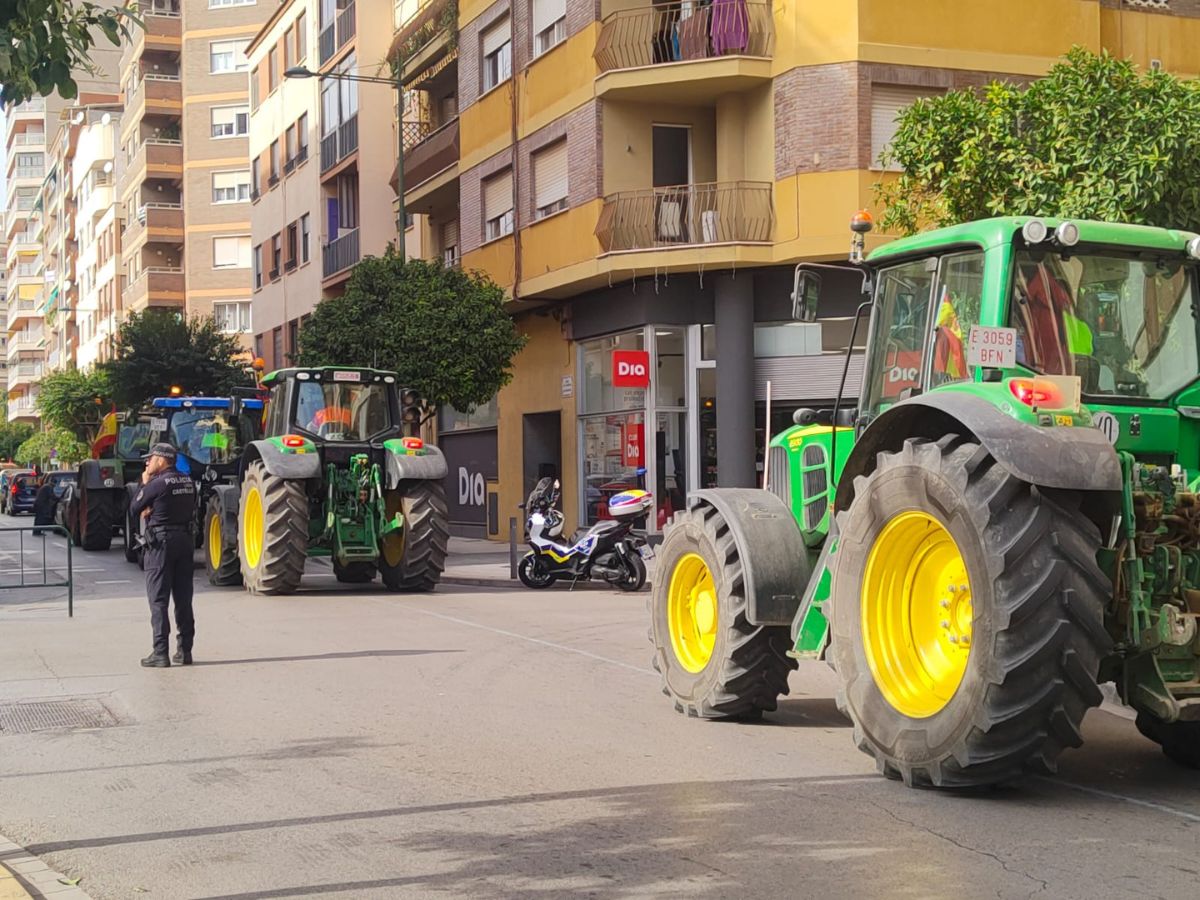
[
  {"x": 511, "y": 585},
  {"x": 25, "y": 877}
]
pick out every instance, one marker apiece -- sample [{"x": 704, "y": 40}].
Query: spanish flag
[{"x": 107, "y": 437}]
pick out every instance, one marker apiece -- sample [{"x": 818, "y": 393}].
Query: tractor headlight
[
  {"x": 1066, "y": 234},
  {"x": 1193, "y": 248},
  {"x": 1034, "y": 231}
]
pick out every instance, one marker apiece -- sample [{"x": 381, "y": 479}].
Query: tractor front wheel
[
  {"x": 413, "y": 558},
  {"x": 714, "y": 662},
  {"x": 273, "y": 531},
  {"x": 967, "y": 617},
  {"x": 97, "y": 514},
  {"x": 220, "y": 547}
]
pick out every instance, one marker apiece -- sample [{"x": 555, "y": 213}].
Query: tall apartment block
[
  {"x": 185, "y": 187},
  {"x": 322, "y": 151},
  {"x": 645, "y": 176},
  {"x": 4, "y": 317}
]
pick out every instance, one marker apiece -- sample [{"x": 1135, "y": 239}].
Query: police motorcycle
[{"x": 608, "y": 550}]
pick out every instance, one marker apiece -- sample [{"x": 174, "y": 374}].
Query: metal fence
[
  {"x": 31, "y": 577},
  {"x": 679, "y": 32},
  {"x": 687, "y": 214}
]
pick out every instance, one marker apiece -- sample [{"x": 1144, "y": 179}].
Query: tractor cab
[{"x": 207, "y": 432}]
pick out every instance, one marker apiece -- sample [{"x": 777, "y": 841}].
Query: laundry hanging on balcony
[{"x": 730, "y": 30}]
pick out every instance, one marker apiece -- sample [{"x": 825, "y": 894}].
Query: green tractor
[
  {"x": 335, "y": 475},
  {"x": 1009, "y": 518}
]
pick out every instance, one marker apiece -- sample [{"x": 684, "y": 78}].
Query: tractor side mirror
[{"x": 806, "y": 292}]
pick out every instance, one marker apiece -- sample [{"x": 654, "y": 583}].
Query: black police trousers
[{"x": 169, "y": 571}]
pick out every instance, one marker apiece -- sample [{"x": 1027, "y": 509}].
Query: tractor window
[
  {"x": 1124, "y": 325},
  {"x": 133, "y": 440},
  {"x": 209, "y": 436},
  {"x": 342, "y": 411},
  {"x": 895, "y": 361},
  {"x": 958, "y": 295}
]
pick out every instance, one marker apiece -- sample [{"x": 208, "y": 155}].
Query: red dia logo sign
[{"x": 631, "y": 368}]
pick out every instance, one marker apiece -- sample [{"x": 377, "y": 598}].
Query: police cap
[{"x": 166, "y": 451}]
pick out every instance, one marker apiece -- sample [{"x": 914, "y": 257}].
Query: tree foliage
[
  {"x": 442, "y": 330},
  {"x": 64, "y": 446},
  {"x": 75, "y": 401},
  {"x": 157, "y": 349},
  {"x": 12, "y": 434},
  {"x": 43, "y": 41},
  {"x": 1094, "y": 139}
]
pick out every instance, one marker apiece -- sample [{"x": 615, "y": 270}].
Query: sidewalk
[
  {"x": 25, "y": 877},
  {"x": 481, "y": 563}
]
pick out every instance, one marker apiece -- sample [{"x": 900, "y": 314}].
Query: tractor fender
[
  {"x": 228, "y": 496},
  {"x": 775, "y": 564},
  {"x": 429, "y": 466},
  {"x": 1059, "y": 457},
  {"x": 292, "y": 466}
]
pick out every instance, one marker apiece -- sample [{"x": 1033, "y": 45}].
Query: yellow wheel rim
[
  {"x": 253, "y": 527},
  {"x": 214, "y": 542},
  {"x": 916, "y": 614},
  {"x": 392, "y": 545},
  {"x": 692, "y": 612}
]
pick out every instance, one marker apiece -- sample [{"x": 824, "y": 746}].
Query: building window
[
  {"x": 276, "y": 256},
  {"x": 215, "y": 4},
  {"x": 231, "y": 187},
  {"x": 550, "y": 179},
  {"x": 294, "y": 337},
  {"x": 291, "y": 149},
  {"x": 258, "y": 271},
  {"x": 497, "y": 54},
  {"x": 254, "y": 88},
  {"x": 304, "y": 238},
  {"x": 289, "y": 49},
  {"x": 232, "y": 252},
  {"x": 549, "y": 24},
  {"x": 301, "y": 37},
  {"x": 227, "y": 56},
  {"x": 302, "y": 138},
  {"x": 272, "y": 69},
  {"x": 450, "y": 243},
  {"x": 274, "y": 162},
  {"x": 887, "y": 102},
  {"x": 497, "y": 206},
  {"x": 232, "y": 317},
  {"x": 230, "y": 121},
  {"x": 293, "y": 241},
  {"x": 255, "y": 178},
  {"x": 277, "y": 348}
]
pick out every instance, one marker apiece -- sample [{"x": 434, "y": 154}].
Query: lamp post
[{"x": 398, "y": 84}]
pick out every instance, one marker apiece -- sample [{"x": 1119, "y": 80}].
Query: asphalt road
[{"x": 501, "y": 743}]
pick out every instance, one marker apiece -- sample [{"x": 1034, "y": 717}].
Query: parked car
[
  {"x": 60, "y": 480},
  {"x": 20, "y": 489},
  {"x": 63, "y": 508}
]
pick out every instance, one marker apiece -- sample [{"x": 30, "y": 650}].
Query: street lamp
[{"x": 398, "y": 84}]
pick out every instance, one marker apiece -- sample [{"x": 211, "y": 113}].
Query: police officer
[{"x": 168, "y": 500}]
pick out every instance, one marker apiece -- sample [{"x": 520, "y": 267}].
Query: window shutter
[
  {"x": 550, "y": 175},
  {"x": 887, "y": 102},
  {"x": 497, "y": 196},
  {"x": 225, "y": 252},
  {"x": 227, "y": 179},
  {"x": 450, "y": 234},
  {"x": 496, "y": 37},
  {"x": 546, "y": 13}
]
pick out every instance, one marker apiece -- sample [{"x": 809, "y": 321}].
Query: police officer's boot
[
  {"x": 157, "y": 661},
  {"x": 182, "y": 657}
]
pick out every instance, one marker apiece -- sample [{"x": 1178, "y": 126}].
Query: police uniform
[{"x": 171, "y": 498}]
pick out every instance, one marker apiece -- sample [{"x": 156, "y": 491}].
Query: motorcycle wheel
[
  {"x": 635, "y": 573},
  {"x": 533, "y": 574}
]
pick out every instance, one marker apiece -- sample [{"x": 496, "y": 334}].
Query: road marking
[
  {"x": 1110, "y": 795},
  {"x": 533, "y": 640},
  {"x": 118, "y": 581}
]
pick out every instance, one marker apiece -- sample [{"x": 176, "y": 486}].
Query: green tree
[
  {"x": 442, "y": 330},
  {"x": 12, "y": 434},
  {"x": 43, "y": 41},
  {"x": 67, "y": 448},
  {"x": 1094, "y": 139},
  {"x": 157, "y": 349},
  {"x": 75, "y": 401}
]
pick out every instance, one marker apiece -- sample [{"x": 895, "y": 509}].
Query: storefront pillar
[{"x": 734, "y": 319}]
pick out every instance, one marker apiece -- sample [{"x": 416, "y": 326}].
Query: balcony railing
[
  {"x": 339, "y": 143},
  {"x": 29, "y": 139},
  {"x": 34, "y": 172},
  {"x": 736, "y": 212},
  {"x": 679, "y": 32},
  {"x": 345, "y": 25},
  {"x": 169, "y": 8},
  {"x": 327, "y": 42},
  {"x": 437, "y": 152},
  {"x": 339, "y": 254}
]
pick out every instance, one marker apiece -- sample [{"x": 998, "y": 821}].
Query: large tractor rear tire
[
  {"x": 221, "y": 559},
  {"x": 413, "y": 558},
  {"x": 714, "y": 662},
  {"x": 273, "y": 531},
  {"x": 97, "y": 515},
  {"x": 1180, "y": 741},
  {"x": 967, "y": 617}
]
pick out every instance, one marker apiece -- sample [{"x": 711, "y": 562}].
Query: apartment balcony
[
  {"x": 435, "y": 153},
  {"x": 29, "y": 141},
  {"x": 155, "y": 158},
  {"x": 689, "y": 215},
  {"x": 154, "y": 223},
  {"x": 338, "y": 33},
  {"x": 22, "y": 408},
  {"x": 676, "y": 52},
  {"x": 163, "y": 29},
  {"x": 339, "y": 143},
  {"x": 339, "y": 254},
  {"x": 25, "y": 342},
  {"x": 162, "y": 94},
  {"x": 22, "y": 310},
  {"x": 23, "y": 374},
  {"x": 155, "y": 286}
]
